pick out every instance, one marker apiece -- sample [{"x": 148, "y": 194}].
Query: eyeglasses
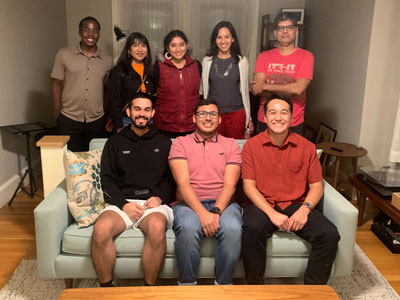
[
  {"x": 288, "y": 28},
  {"x": 203, "y": 114},
  {"x": 87, "y": 30}
]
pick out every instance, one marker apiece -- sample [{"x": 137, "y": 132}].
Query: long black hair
[
  {"x": 235, "y": 47},
  {"x": 125, "y": 59},
  {"x": 170, "y": 36}
]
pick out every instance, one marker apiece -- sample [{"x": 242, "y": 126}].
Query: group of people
[
  {"x": 152, "y": 184},
  {"x": 87, "y": 88}
]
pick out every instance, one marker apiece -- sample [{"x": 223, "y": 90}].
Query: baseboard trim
[{"x": 7, "y": 189}]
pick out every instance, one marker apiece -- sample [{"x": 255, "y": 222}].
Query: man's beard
[{"x": 141, "y": 126}]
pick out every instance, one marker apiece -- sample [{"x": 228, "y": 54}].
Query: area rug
[{"x": 365, "y": 283}]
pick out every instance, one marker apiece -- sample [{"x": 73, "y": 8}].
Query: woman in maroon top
[{"x": 177, "y": 80}]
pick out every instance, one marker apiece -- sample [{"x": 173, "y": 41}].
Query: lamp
[{"x": 120, "y": 34}]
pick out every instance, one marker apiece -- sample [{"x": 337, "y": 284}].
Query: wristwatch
[
  {"x": 308, "y": 205},
  {"x": 216, "y": 210}
]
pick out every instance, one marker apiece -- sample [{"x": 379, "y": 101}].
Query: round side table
[{"x": 340, "y": 150}]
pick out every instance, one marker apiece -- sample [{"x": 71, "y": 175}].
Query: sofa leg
[{"x": 68, "y": 283}]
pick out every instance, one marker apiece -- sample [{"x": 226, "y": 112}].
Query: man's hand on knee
[
  {"x": 280, "y": 220},
  {"x": 209, "y": 223},
  {"x": 153, "y": 202},
  {"x": 133, "y": 210},
  {"x": 299, "y": 219}
]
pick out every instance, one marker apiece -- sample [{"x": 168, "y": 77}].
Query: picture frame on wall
[
  {"x": 325, "y": 134},
  {"x": 298, "y": 14}
]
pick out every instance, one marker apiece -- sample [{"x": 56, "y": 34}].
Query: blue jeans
[{"x": 189, "y": 235}]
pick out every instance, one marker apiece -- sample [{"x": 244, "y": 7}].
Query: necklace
[{"x": 226, "y": 73}]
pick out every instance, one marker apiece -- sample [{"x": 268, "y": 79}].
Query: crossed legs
[{"x": 109, "y": 225}]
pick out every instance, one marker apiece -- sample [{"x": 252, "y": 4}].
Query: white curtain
[
  {"x": 196, "y": 18},
  {"x": 394, "y": 155}
]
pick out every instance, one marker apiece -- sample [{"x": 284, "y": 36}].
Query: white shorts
[{"x": 164, "y": 209}]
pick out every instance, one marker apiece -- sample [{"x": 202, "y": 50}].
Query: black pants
[
  {"x": 296, "y": 129},
  {"x": 319, "y": 231},
  {"x": 81, "y": 133}
]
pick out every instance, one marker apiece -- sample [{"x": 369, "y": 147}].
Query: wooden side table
[{"x": 340, "y": 150}]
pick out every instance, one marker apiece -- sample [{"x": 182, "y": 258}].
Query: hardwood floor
[
  {"x": 17, "y": 240},
  {"x": 17, "y": 233}
]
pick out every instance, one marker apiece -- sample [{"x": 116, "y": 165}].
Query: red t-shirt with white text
[{"x": 286, "y": 69}]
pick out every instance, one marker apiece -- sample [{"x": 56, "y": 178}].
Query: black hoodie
[{"x": 136, "y": 167}]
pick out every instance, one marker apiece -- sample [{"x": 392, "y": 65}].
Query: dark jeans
[
  {"x": 318, "y": 231},
  {"x": 80, "y": 133},
  {"x": 261, "y": 126}
]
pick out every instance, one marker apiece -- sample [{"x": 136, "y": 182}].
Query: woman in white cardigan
[{"x": 225, "y": 78}]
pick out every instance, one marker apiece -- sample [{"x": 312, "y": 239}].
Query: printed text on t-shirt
[{"x": 281, "y": 68}]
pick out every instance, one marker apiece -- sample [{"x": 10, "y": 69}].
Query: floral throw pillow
[{"x": 85, "y": 196}]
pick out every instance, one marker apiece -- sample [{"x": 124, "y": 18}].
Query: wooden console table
[
  {"x": 220, "y": 292},
  {"x": 364, "y": 191}
]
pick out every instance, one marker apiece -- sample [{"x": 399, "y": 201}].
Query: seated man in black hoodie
[{"x": 137, "y": 184}]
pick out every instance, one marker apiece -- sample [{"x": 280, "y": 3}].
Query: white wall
[
  {"x": 31, "y": 33},
  {"x": 101, "y": 10},
  {"x": 339, "y": 37},
  {"x": 382, "y": 90}
]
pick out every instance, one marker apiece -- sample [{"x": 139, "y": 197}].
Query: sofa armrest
[
  {"x": 344, "y": 215},
  {"x": 52, "y": 218}
]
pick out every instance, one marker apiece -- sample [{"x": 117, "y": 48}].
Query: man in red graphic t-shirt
[{"x": 286, "y": 69}]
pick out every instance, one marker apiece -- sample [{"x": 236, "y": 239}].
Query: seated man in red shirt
[{"x": 283, "y": 180}]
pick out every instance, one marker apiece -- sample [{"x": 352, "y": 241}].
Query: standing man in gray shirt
[{"x": 77, "y": 87}]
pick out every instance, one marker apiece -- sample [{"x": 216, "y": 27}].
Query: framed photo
[
  {"x": 272, "y": 44},
  {"x": 297, "y": 13},
  {"x": 325, "y": 134},
  {"x": 309, "y": 133}
]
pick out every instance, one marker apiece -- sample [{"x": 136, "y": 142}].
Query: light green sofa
[{"x": 63, "y": 250}]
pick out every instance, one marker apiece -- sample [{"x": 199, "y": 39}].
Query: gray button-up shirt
[{"x": 83, "y": 79}]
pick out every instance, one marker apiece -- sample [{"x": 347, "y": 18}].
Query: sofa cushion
[
  {"x": 85, "y": 197},
  {"x": 130, "y": 243}
]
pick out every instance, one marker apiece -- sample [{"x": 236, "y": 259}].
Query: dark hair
[
  {"x": 278, "y": 96},
  {"x": 170, "y": 36},
  {"x": 141, "y": 95},
  {"x": 87, "y": 19},
  {"x": 205, "y": 101},
  {"x": 282, "y": 16},
  {"x": 125, "y": 60},
  {"x": 235, "y": 47}
]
